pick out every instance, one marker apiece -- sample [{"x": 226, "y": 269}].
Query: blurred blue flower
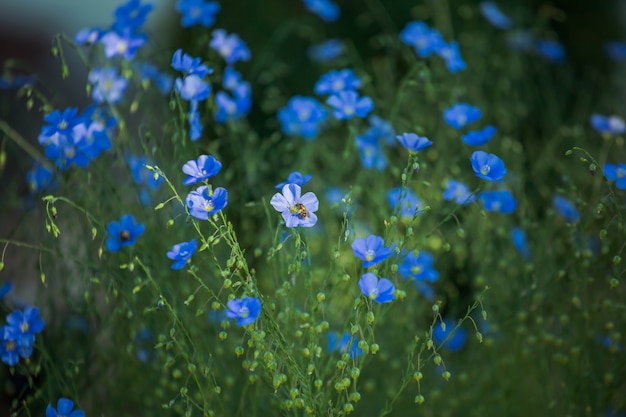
[
  {"x": 142, "y": 175},
  {"x": 192, "y": 87},
  {"x": 235, "y": 106},
  {"x": 521, "y": 243},
  {"x": 494, "y": 15},
  {"x": 294, "y": 178},
  {"x": 455, "y": 340},
  {"x": 26, "y": 324},
  {"x": 230, "y": 47},
  {"x": 335, "y": 81},
  {"x": 246, "y": 310},
  {"x": 615, "y": 50},
  {"x": 344, "y": 344},
  {"x": 197, "y": 12},
  {"x": 404, "y": 201},
  {"x": 131, "y": 14},
  {"x": 326, "y": 9},
  {"x": 124, "y": 43},
  {"x": 566, "y": 209},
  {"x": 9, "y": 348},
  {"x": 451, "y": 53},
  {"x": 123, "y": 233},
  {"x": 550, "y": 50},
  {"x": 296, "y": 210},
  {"x": 414, "y": 143},
  {"x": 616, "y": 173},
  {"x": 379, "y": 290},
  {"x": 204, "y": 201},
  {"x": 88, "y": 36},
  {"x": 195, "y": 124},
  {"x": 5, "y": 289},
  {"x": 461, "y": 114},
  {"x": 302, "y": 116},
  {"x": 382, "y": 130},
  {"x": 458, "y": 192},
  {"x": 419, "y": 267},
  {"x": 151, "y": 73},
  {"x": 479, "y": 137},
  {"x": 189, "y": 65},
  {"x": 108, "y": 87},
  {"x": 65, "y": 408},
  {"x": 612, "y": 125},
  {"x": 326, "y": 51},
  {"x": 181, "y": 253},
  {"x": 487, "y": 166},
  {"x": 371, "y": 250},
  {"x": 499, "y": 201},
  {"x": 201, "y": 169},
  {"x": 39, "y": 179},
  {"x": 371, "y": 153},
  {"x": 422, "y": 38},
  {"x": 348, "y": 104}
]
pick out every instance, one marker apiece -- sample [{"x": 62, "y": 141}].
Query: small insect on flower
[{"x": 296, "y": 210}]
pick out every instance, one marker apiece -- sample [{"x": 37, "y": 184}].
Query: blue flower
[
  {"x": 64, "y": 409},
  {"x": 500, "y": 201},
  {"x": 246, "y": 310},
  {"x": 458, "y": 192},
  {"x": 451, "y": 53},
  {"x": 520, "y": 242},
  {"x": 346, "y": 344},
  {"x": 181, "y": 253},
  {"x": 326, "y": 51},
  {"x": 404, "y": 201},
  {"x": 566, "y": 209},
  {"x": 348, "y": 104},
  {"x": 461, "y": 114},
  {"x": 107, "y": 85},
  {"x": 419, "y": 267},
  {"x": 142, "y": 175},
  {"x": 192, "y": 87},
  {"x": 326, "y": 9},
  {"x": 233, "y": 107},
  {"x": 615, "y": 50},
  {"x": 551, "y": 50},
  {"x": 230, "y": 47},
  {"x": 487, "y": 166},
  {"x": 195, "y": 124},
  {"x": 612, "y": 125},
  {"x": 295, "y": 178},
  {"x": 9, "y": 348},
  {"x": 371, "y": 250},
  {"x": 123, "y": 233},
  {"x": 371, "y": 153},
  {"x": 197, "y": 12},
  {"x": 335, "y": 81},
  {"x": 88, "y": 36},
  {"x": 616, "y": 173},
  {"x": 479, "y": 137},
  {"x": 380, "y": 291},
  {"x": 189, "y": 65},
  {"x": 204, "y": 202},
  {"x": 151, "y": 73},
  {"x": 302, "y": 117},
  {"x": 455, "y": 340},
  {"x": 26, "y": 324},
  {"x": 422, "y": 38},
  {"x": 493, "y": 15},
  {"x": 132, "y": 14},
  {"x": 39, "y": 178},
  {"x": 124, "y": 42},
  {"x": 296, "y": 210},
  {"x": 381, "y": 130},
  {"x": 203, "y": 168},
  {"x": 413, "y": 142}
]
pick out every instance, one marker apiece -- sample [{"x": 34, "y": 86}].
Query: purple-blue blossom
[
  {"x": 230, "y": 47},
  {"x": 201, "y": 169},
  {"x": 371, "y": 250},
  {"x": 616, "y": 173},
  {"x": 611, "y": 125},
  {"x": 422, "y": 38},
  {"x": 413, "y": 142},
  {"x": 326, "y": 51},
  {"x": 123, "y": 233},
  {"x": 181, "y": 253},
  {"x": 404, "y": 201},
  {"x": 487, "y": 166},
  {"x": 461, "y": 114},
  {"x": 498, "y": 201},
  {"x": 205, "y": 201},
  {"x": 458, "y": 192},
  {"x": 296, "y": 209},
  {"x": 418, "y": 267},
  {"x": 492, "y": 13},
  {"x": 302, "y": 116},
  {"x": 294, "y": 178},
  {"x": 65, "y": 408},
  {"x": 197, "y": 12},
  {"x": 566, "y": 208},
  {"x": 380, "y": 290},
  {"x": 479, "y": 137},
  {"x": 325, "y": 9},
  {"x": 335, "y": 81},
  {"x": 246, "y": 310},
  {"x": 107, "y": 85},
  {"x": 348, "y": 104}
]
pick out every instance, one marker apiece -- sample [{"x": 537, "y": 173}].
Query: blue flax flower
[
  {"x": 380, "y": 291},
  {"x": 195, "y": 124},
  {"x": 422, "y": 38},
  {"x": 9, "y": 348},
  {"x": 487, "y": 166},
  {"x": 204, "y": 201},
  {"x": 230, "y": 47},
  {"x": 203, "y": 168},
  {"x": 566, "y": 208},
  {"x": 494, "y": 15},
  {"x": 246, "y": 310},
  {"x": 520, "y": 242},
  {"x": 26, "y": 324},
  {"x": 500, "y": 201},
  {"x": 189, "y": 65},
  {"x": 458, "y": 192},
  {"x": 124, "y": 42},
  {"x": 371, "y": 250},
  {"x": 302, "y": 116},
  {"x": 39, "y": 179},
  {"x": 479, "y": 137},
  {"x": 348, "y": 104},
  {"x": 461, "y": 114},
  {"x": 611, "y": 125},
  {"x": 88, "y": 36},
  {"x": 616, "y": 173},
  {"x": 192, "y": 87},
  {"x": 404, "y": 201},
  {"x": 326, "y": 9},
  {"x": 419, "y": 267},
  {"x": 294, "y": 178},
  {"x": 370, "y": 151},
  {"x": 197, "y": 12},
  {"x": 181, "y": 253},
  {"x": 451, "y": 53},
  {"x": 455, "y": 340},
  {"x": 414, "y": 143},
  {"x": 344, "y": 343},
  {"x": 335, "y": 81},
  {"x": 326, "y": 51},
  {"x": 550, "y": 50},
  {"x": 131, "y": 14},
  {"x": 107, "y": 85},
  {"x": 296, "y": 210},
  {"x": 381, "y": 130},
  {"x": 235, "y": 106},
  {"x": 123, "y": 233},
  {"x": 64, "y": 409}
]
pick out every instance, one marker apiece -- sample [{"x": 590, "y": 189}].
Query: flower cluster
[
  {"x": 18, "y": 335},
  {"x": 235, "y": 101},
  {"x": 204, "y": 201},
  {"x": 427, "y": 41},
  {"x": 370, "y": 144}
]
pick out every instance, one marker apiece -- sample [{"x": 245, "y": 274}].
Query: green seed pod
[
  {"x": 446, "y": 375},
  {"x": 348, "y": 408},
  {"x": 355, "y": 372},
  {"x": 239, "y": 350},
  {"x": 223, "y": 335},
  {"x": 419, "y": 399},
  {"x": 374, "y": 348},
  {"x": 437, "y": 359},
  {"x": 318, "y": 383},
  {"x": 418, "y": 376},
  {"x": 355, "y": 397}
]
